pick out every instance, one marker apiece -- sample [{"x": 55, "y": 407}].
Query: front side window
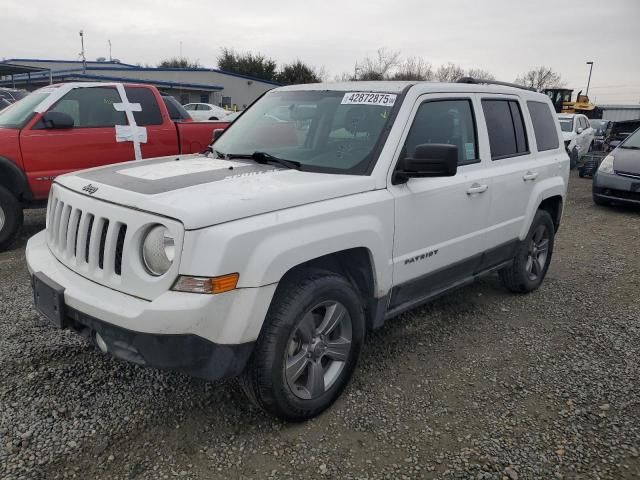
[
  {"x": 323, "y": 130},
  {"x": 566, "y": 124},
  {"x": 190, "y": 107},
  {"x": 91, "y": 107},
  {"x": 544, "y": 126},
  {"x": 507, "y": 136},
  {"x": 448, "y": 122}
]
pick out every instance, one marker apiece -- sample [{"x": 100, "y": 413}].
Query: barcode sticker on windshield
[{"x": 369, "y": 98}]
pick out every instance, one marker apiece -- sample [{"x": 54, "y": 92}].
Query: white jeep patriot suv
[{"x": 321, "y": 212}]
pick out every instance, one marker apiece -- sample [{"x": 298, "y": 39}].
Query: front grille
[{"x": 84, "y": 238}]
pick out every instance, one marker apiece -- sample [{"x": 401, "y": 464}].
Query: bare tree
[
  {"x": 413, "y": 68},
  {"x": 449, "y": 73},
  {"x": 540, "y": 78},
  {"x": 480, "y": 73},
  {"x": 377, "y": 68}
]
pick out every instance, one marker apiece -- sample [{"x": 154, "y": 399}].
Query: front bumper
[
  {"x": 208, "y": 336},
  {"x": 616, "y": 188}
]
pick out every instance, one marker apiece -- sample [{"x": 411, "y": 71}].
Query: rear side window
[
  {"x": 507, "y": 135},
  {"x": 150, "y": 114},
  {"x": 445, "y": 121},
  {"x": 544, "y": 126}
]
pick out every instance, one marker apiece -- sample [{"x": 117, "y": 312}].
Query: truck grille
[{"x": 84, "y": 238}]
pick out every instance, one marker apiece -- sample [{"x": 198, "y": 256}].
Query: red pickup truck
[{"x": 73, "y": 126}]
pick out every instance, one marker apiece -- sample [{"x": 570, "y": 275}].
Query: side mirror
[
  {"x": 57, "y": 120},
  {"x": 579, "y": 130},
  {"x": 216, "y": 134},
  {"x": 429, "y": 160}
]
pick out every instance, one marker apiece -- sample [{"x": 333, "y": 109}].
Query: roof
[
  {"x": 127, "y": 66},
  {"x": 568, "y": 115},
  {"x": 7, "y": 68},
  {"x": 619, "y": 107}
]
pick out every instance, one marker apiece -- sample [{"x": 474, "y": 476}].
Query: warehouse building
[
  {"x": 187, "y": 85},
  {"x": 620, "y": 112}
]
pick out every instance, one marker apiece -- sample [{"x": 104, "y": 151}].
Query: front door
[
  {"x": 90, "y": 143},
  {"x": 440, "y": 222}
]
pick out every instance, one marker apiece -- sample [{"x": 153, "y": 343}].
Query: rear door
[
  {"x": 90, "y": 143},
  {"x": 440, "y": 222},
  {"x": 162, "y": 136},
  {"x": 513, "y": 168}
]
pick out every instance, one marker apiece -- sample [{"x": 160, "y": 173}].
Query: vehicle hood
[
  {"x": 568, "y": 136},
  {"x": 201, "y": 191},
  {"x": 10, "y": 144},
  {"x": 626, "y": 160}
]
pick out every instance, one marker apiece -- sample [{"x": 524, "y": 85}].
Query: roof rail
[{"x": 478, "y": 81}]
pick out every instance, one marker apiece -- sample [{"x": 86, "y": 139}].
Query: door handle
[
  {"x": 477, "y": 188},
  {"x": 530, "y": 176}
]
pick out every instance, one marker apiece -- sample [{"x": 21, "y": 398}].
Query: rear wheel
[
  {"x": 308, "y": 348},
  {"x": 11, "y": 218},
  {"x": 533, "y": 256}
]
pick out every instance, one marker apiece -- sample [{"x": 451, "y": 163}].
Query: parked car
[
  {"x": 202, "y": 112},
  {"x": 618, "y": 131},
  {"x": 600, "y": 128},
  {"x": 9, "y": 96},
  {"x": 618, "y": 177},
  {"x": 270, "y": 257},
  {"x": 578, "y": 135},
  {"x": 73, "y": 126}
]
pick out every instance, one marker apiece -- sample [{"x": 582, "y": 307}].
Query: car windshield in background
[
  {"x": 566, "y": 125},
  {"x": 18, "y": 114},
  {"x": 632, "y": 141},
  {"x": 325, "y": 131}
]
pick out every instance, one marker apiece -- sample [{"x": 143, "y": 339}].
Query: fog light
[{"x": 102, "y": 345}]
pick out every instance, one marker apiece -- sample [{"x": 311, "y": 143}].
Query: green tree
[
  {"x": 251, "y": 64},
  {"x": 298, "y": 72},
  {"x": 179, "y": 62}
]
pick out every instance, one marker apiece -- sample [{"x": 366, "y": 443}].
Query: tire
[
  {"x": 522, "y": 276},
  {"x": 573, "y": 158},
  {"x": 581, "y": 173},
  {"x": 11, "y": 218},
  {"x": 289, "y": 338}
]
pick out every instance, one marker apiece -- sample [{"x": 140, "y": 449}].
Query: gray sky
[{"x": 505, "y": 37}]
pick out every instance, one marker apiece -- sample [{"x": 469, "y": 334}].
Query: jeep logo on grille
[{"x": 90, "y": 189}]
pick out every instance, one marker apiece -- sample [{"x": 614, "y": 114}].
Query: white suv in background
[
  {"x": 270, "y": 257},
  {"x": 578, "y": 135},
  {"x": 202, "y": 112}
]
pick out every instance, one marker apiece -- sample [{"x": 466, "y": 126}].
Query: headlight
[
  {"x": 607, "y": 165},
  {"x": 158, "y": 250}
]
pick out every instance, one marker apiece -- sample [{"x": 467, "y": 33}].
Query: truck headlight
[
  {"x": 158, "y": 250},
  {"x": 607, "y": 164}
]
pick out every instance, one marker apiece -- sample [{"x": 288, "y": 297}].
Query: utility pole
[
  {"x": 110, "y": 57},
  {"x": 82, "y": 56},
  {"x": 589, "y": 81}
]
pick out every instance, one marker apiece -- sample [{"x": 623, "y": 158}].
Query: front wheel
[
  {"x": 308, "y": 348},
  {"x": 11, "y": 218},
  {"x": 533, "y": 256},
  {"x": 573, "y": 158}
]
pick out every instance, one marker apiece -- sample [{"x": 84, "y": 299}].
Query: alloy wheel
[
  {"x": 318, "y": 350},
  {"x": 538, "y": 252}
]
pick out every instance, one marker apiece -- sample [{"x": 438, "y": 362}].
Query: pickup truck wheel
[
  {"x": 533, "y": 256},
  {"x": 11, "y": 218},
  {"x": 308, "y": 348}
]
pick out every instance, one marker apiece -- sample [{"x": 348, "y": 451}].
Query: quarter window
[
  {"x": 150, "y": 114},
  {"x": 445, "y": 121},
  {"x": 92, "y": 107},
  {"x": 544, "y": 126},
  {"x": 507, "y": 135}
]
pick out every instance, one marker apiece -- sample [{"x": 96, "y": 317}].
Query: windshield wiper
[
  {"x": 633, "y": 147},
  {"x": 264, "y": 158}
]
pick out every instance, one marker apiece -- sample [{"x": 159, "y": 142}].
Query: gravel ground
[{"x": 481, "y": 384}]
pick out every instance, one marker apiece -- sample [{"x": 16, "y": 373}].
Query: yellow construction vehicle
[{"x": 561, "y": 99}]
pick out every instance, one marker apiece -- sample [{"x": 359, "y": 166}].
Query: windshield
[
  {"x": 632, "y": 141},
  {"x": 599, "y": 125},
  {"x": 18, "y": 114},
  {"x": 566, "y": 124},
  {"x": 326, "y": 131}
]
